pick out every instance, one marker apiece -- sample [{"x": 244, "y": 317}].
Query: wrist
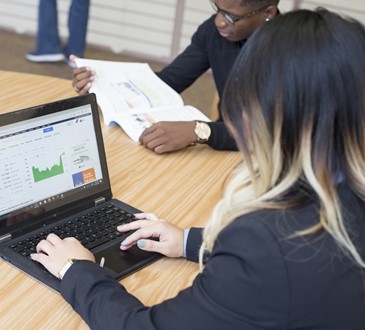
[
  {"x": 66, "y": 266},
  {"x": 69, "y": 262},
  {"x": 185, "y": 240}
]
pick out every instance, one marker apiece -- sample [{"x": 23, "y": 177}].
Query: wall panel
[{"x": 152, "y": 29}]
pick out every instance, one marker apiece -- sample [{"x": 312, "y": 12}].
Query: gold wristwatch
[{"x": 202, "y": 131}]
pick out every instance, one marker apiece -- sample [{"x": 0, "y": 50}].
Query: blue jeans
[{"x": 48, "y": 39}]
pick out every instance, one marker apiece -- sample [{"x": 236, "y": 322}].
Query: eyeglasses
[{"x": 232, "y": 19}]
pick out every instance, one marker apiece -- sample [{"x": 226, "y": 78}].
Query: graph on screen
[{"x": 47, "y": 173}]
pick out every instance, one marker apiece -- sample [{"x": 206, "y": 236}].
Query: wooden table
[{"x": 182, "y": 187}]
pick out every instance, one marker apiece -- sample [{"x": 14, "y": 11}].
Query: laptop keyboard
[{"x": 92, "y": 230}]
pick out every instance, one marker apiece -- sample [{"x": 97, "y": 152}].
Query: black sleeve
[
  {"x": 193, "y": 244},
  {"x": 190, "y": 64},
  {"x": 220, "y": 138},
  {"x": 244, "y": 286}
]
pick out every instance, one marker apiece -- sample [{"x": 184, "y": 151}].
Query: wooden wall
[{"x": 150, "y": 29}]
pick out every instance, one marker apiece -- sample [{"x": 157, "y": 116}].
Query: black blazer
[
  {"x": 207, "y": 50},
  {"x": 257, "y": 277}
]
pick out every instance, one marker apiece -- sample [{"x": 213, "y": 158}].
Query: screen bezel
[{"x": 80, "y": 198}]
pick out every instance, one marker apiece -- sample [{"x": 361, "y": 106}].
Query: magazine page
[
  {"x": 133, "y": 96},
  {"x": 126, "y": 87},
  {"x": 135, "y": 124}
]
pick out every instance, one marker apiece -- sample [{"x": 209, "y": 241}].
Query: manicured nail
[{"x": 140, "y": 244}]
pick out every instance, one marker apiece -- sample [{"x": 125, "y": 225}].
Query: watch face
[
  {"x": 204, "y": 134},
  {"x": 202, "y": 130}
]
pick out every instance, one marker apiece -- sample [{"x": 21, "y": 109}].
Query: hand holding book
[{"x": 131, "y": 95}]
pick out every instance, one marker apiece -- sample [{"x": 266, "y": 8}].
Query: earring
[{"x": 267, "y": 19}]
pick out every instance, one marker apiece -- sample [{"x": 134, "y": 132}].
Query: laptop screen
[{"x": 49, "y": 159}]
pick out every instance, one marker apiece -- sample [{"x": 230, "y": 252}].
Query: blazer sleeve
[
  {"x": 193, "y": 244},
  {"x": 244, "y": 286},
  {"x": 220, "y": 138}
]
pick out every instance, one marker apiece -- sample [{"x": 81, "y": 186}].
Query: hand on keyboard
[{"x": 170, "y": 238}]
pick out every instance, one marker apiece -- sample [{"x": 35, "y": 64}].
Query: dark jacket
[
  {"x": 257, "y": 277},
  {"x": 208, "y": 50}
]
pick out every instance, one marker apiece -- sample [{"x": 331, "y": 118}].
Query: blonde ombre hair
[{"x": 295, "y": 104}]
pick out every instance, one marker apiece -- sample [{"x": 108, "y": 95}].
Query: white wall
[
  {"x": 353, "y": 8},
  {"x": 153, "y": 29}
]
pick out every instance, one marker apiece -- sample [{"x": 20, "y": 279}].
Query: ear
[{"x": 270, "y": 12}]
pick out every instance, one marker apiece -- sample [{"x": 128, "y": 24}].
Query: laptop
[{"x": 54, "y": 178}]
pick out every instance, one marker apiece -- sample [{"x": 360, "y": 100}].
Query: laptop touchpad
[{"x": 122, "y": 261}]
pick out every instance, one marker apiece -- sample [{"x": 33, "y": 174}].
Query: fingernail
[
  {"x": 32, "y": 255},
  {"x": 122, "y": 243},
  {"x": 140, "y": 244}
]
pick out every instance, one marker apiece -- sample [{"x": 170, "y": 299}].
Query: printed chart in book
[{"x": 134, "y": 97}]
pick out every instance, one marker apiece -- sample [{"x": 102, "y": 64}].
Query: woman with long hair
[{"x": 285, "y": 246}]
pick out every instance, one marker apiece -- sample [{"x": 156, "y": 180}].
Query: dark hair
[
  {"x": 303, "y": 71},
  {"x": 295, "y": 103}
]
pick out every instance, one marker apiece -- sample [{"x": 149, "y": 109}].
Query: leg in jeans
[
  {"x": 48, "y": 40},
  {"x": 77, "y": 25}
]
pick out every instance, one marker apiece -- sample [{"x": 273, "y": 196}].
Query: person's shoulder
[
  {"x": 255, "y": 220},
  {"x": 208, "y": 23},
  {"x": 274, "y": 224},
  {"x": 207, "y": 29},
  {"x": 281, "y": 226},
  {"x": 249, "y": 231}
]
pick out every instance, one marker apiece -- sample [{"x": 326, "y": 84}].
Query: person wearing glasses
[
  {"x": 285, "y": 246},
  {"x": 215, "y": 45}
]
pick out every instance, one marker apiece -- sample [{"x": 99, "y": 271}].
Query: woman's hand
[
  {"x": 53, "y": 252},
  {"x": 82, "y": 78},
  {"x": 170, "y": 238}
]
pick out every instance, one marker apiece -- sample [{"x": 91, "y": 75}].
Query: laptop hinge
[
  {"x": 4, "y": 238},
  {"x": 99, "y": 201}
]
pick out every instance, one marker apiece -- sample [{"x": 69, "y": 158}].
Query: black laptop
[{"x": 54, "y": 179}]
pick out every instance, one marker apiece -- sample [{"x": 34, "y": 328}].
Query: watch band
[
  {"x": 65, "y": 267},
  {"x": 69, "y": 262}
]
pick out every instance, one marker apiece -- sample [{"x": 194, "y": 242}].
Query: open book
[{"x": 134, "y": 97}]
